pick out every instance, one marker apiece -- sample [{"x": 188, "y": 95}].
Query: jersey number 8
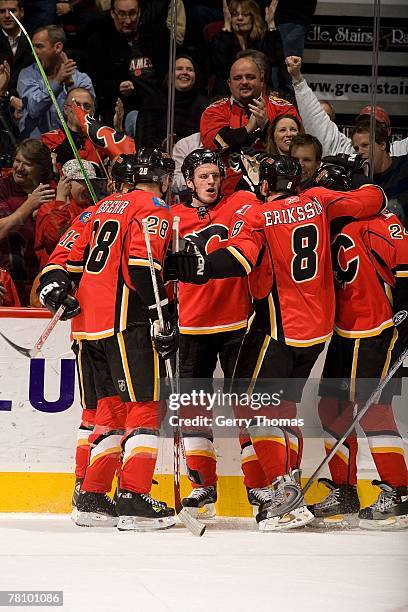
[{"x": 305, "y": 240}]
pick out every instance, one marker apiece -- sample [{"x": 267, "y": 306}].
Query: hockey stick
[
  {"x": 31, "y": 353},
  {"x": 58, "y": 110},
  {"x": 185, "y": 517},
  {"x": 177, "y": 436},
  {"x": 377, "y": 391}
]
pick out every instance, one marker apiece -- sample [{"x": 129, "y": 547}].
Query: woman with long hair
[
  {"x": 281, "y": 132},
  {"x": 189, "y": 105},
  {"x": 244, "y": 28}
]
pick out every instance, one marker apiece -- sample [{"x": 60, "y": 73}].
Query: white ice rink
[{"x": 232, "y": 568}]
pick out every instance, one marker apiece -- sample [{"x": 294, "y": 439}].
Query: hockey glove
[
  {"x": 400, "y": 320},
  {"x": 165, "y": 342},
  {"x": 53, "y": 293},
  {"x": 192, "y": 265}
]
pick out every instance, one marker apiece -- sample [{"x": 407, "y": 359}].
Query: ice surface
[{"x": 232, "y": 568}]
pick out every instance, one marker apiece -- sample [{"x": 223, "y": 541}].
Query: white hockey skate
[
  {"x": 389, "y": 511},
  {"x": 200, "y": 502},
  {"x": 141, "y": 512},
  {"x": 288, "y": 509},
  {"x": 94, "y": 510}
]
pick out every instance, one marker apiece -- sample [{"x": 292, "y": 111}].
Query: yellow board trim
[{"x": 52, "y": 493}]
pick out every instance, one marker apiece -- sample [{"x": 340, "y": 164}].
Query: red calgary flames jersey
[
  {"x": 367, "y": 257},
  {"x": 111, "y": 242},
  {"x": 221, "y": 304},
  {"x": 295, "y": 231},
  {"x": 60, "y": 254}
]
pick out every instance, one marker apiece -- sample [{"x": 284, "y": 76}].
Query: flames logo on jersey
[
  {"x": 212, "y": 235},
  {"x": 104, "y": 137}
]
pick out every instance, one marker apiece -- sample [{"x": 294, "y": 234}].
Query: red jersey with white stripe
[
  {"x": 60, "y": 254},
  {"x": 221, "y": 304},
  {"x": 367, "y": 257},
  {"x": 295, "y": 230},
  {"x": 111, "y": 242}
]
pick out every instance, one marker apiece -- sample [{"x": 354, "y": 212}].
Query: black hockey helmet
[
  {"x": 148, "y": 165},
  {"x": 282, "y": 173},
  {"x": 199, "y": 157},
  {"x": 332, "y": 176}
]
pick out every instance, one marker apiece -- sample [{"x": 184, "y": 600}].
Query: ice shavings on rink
[{"x": 231, "y": 568}]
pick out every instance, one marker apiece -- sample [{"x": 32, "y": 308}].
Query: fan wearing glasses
[{"x": 57, "y": 141}]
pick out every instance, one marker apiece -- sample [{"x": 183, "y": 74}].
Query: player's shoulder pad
[
  {"x": 241, "y": 198},
  {"x": 159, "y": 203},
  {"x": 85, "y": 216}
]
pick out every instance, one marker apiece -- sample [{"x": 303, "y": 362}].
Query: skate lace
[
  {"x": 199, "y": 493},
  {"x": 150, "y": 500},
  {"x": 262, "y": 495},
  {"x": 332, "y": 498},
  {"x": 278, "y": 496},
  {"x": 383, "y": 502}
]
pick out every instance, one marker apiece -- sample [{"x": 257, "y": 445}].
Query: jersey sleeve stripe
[
  {"x": 241, "y": 259},
  {"x": 50, "y": 267},
  {"x": 75, "y": 268},
  {"x": 220, "y": 141},
  {"x": 133, "y": 261}
]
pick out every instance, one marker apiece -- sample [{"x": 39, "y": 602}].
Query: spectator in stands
[
  {"x": 281, "y": 132},
  {"x": 132, "y": 54},
  {"x": 57, "y": 141},
  {"x": 241, "y": 120},
  {"x": 39, "y": 114},
  {"x": 53, "y": 218},
  {"x": 13, "y": 46},
  {"x": 316, "y": 121},
  {"x": 189, "y": 105},
  {"x": 263, "y": 63},
  {"x": 391, "y": 173},
  {"x": 21, "y": 194},
  {"x": 328, "y": 109},
  {"x": 308, "y": 150},
  {"x": 244, "y": 28},
  {"x": 8, "y": 292}
]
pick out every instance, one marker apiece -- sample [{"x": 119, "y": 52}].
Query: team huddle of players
[{"x": 264, "y": 280}]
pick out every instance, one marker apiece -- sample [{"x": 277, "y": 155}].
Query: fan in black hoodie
[{"x": 188, "y": 107}]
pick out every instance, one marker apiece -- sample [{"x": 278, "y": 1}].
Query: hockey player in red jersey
[
  {"x": 114, "y": 306},
  {"x": 286, "y": 242},
  {"x": 212, "y": 319},
  {"x": 370, "y": 260},
  {"x": 85, "y": 367}
]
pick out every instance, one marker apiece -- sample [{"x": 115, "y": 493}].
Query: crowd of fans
[{"x": 238, "y": 89}]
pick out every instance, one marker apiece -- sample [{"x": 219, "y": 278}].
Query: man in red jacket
[{"x": 241, "y": 120}]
